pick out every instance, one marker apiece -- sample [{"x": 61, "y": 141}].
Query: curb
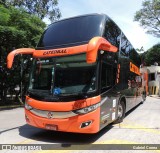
[
  {"x": 10, "y": 107},
  {"x": 154, "y": 96}
]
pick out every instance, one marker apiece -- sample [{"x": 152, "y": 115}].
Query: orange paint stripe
[{"x": 134, "y": 68}]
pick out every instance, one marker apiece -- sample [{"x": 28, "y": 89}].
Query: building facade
[{"x": 151, "y": 79}]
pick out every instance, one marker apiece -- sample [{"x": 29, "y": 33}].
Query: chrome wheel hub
[{"x": 120, "y": 110}]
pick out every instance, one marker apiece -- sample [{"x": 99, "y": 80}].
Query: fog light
[{"x": 85, "y": 124}]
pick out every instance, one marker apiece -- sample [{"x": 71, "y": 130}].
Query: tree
[
  {"x": 149, "y": 16},
  {"x": 153, "y": 55},
  {"x": 40, "y": 8},
  {"x": 17, "y": 29}
]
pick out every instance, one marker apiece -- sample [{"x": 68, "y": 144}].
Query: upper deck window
[{"x": 71, "y": 32}]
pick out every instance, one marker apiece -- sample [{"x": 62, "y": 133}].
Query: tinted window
[
  {"x": 72, "y": 31},
  {"x": 106, "y": 80},
  {"x": 152, "y": 77},
  {"x": 108, "y": 70},
  {"x": 126, "y": 46},
  {"x": 127, "y": 51},
  {"x": 112, "y": 32}
]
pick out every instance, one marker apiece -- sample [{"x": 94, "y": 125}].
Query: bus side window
[
  {"x": 112, "y": 33},
  {"x": 107, "y": 78}
]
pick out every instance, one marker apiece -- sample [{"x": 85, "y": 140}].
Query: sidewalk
[{"x": 155, "y": 96}]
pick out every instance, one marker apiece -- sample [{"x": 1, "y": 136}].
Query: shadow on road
[
  {"x": 60, "y": 137},
  {"x": 9, "y": 129},
  {"x": 65, "y": 139}
]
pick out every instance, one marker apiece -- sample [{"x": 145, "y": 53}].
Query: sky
[{"x": 121, "y": 11}]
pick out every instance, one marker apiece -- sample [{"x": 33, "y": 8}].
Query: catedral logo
[{"x": 59, "y": 51}]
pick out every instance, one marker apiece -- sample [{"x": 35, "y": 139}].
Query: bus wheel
[{"x": 121, "y": 112}]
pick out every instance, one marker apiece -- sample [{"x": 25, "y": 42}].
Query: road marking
[
  {"x": 27, "y": 141},
  {"x": 116, "y": 141},
  {"x": 138, "y": 127}
]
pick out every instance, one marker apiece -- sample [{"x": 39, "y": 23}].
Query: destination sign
[{"x": 58, "y": 51}]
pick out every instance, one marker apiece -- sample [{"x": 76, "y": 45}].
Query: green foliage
[
  {"x": 153, "y": 55},
  {"x": 18, "y": 29},
  {"x": 149, "y": 16},
  {"x": 40, "y": 8},
  {"x": 4, "y": 15}
]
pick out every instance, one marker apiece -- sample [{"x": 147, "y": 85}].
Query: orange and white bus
[{"x": 85, "y": 75}]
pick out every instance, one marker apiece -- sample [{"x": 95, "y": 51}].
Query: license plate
[{"x": 51, "y": 127}]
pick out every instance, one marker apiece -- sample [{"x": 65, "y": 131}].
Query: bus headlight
[
  {"x": 87, "y": 109},
  {"x": 28, "y": 107}
]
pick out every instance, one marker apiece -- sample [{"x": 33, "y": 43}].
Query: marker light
[{"x": 87, "y": 109}]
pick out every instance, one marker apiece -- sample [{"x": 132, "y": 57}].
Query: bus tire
[{"x": 121, "y": 112}]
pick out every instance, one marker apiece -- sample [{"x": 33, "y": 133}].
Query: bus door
[{"x": 109, "y": 98}]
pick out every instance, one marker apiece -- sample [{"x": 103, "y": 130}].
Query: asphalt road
[{"x": 140, "y": 126}]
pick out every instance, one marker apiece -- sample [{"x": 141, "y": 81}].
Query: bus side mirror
[
  {"x": 11, "y": 55},
  {"x": 95, "y": 44}
]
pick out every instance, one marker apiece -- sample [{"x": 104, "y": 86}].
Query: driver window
[
  {"x": 106, "y": 79},
  {"x": 108, "y": 71}
]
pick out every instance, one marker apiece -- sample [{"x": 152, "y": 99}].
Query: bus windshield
[{"x": 63, "y": 75}]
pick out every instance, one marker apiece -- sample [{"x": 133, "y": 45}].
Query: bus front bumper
[{"x": 86, "y": 123}]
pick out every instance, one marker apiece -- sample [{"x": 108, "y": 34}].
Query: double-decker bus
[{"x": 85, "y": 75}]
